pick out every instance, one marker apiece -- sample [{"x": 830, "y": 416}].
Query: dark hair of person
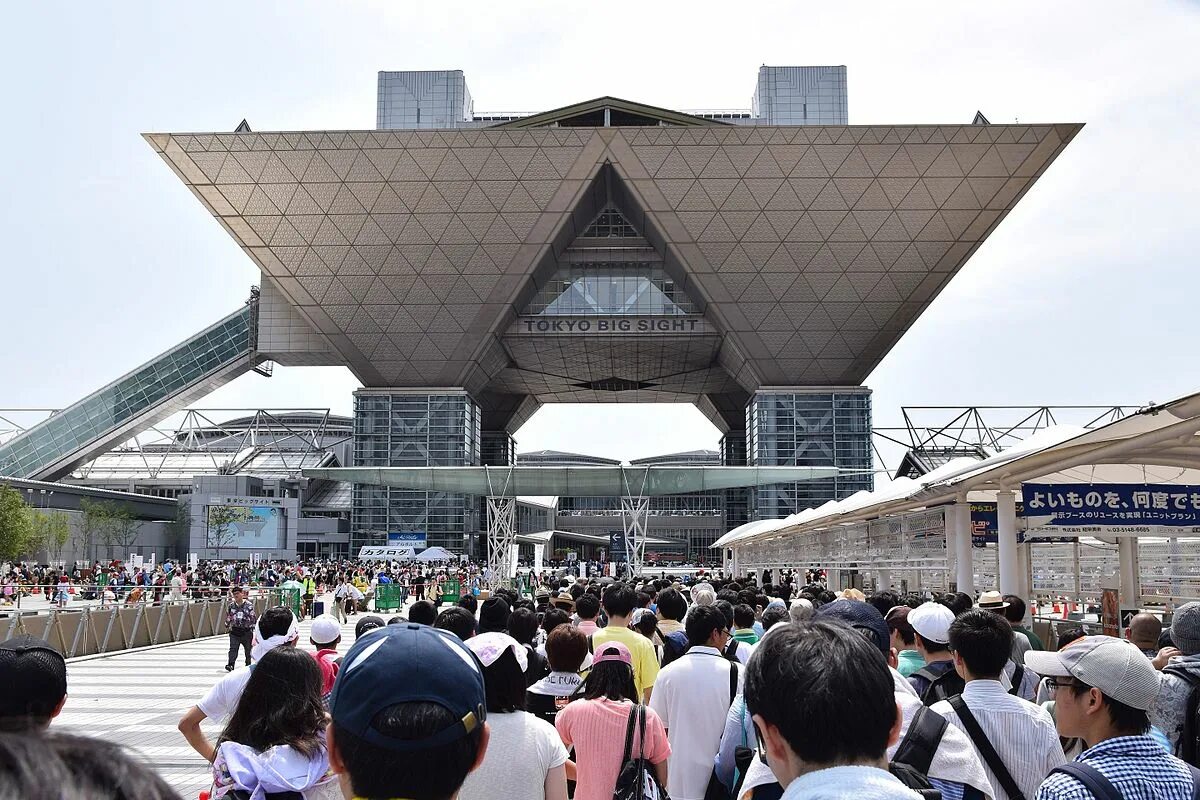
[
  {"x": 469, "y": 602},
  {"x": 553, "y": 618},
  {"x": 458, "y": 620},
  {"x": 671, "y": 605},
  {"x": 236, "y": 589},
  {"x": 984, "y": 640},
  {"x": 701, "y": 622},
  {"x": 643, "y": 599},
  {"x": 423, "y": 612},
  {"x": 522, "y": 625},
  {"x": 397, "y": 620},
  {"x": 826, "y": 596},
  {"x": 1015, "y": 610},
  {"x": 647, "y": 626},
  {"x": 959, "y": 602},
  {"x": 743, "y": 616},
  {"x": 566, "y": 648},
  {"x": 884, "y": 601},
  {"x": 67, "y": 767},
  {"x": 619, "y": 600},
  {"x": 1069, "y": 634},
  {"x": 899, "y": 624},
  {"x": 436, "y": 773},
  {"x": 772, "y": 616},
  {"x": 281, "y": 704},
  {"x": 526, "y": 603},
  {"x": 587, "y": 606},
  {"x": 1127, "y": 720},
  {"x": 608, "y": 679},
  {"x": 504, "y": 684},
  {"x": 729, "y": 596},
  {"x": 726, "y": 608},
  {"x": 275, "y": 621},
  {"x": 930, "y": 646},
  {"x": 801, "y": 678}
]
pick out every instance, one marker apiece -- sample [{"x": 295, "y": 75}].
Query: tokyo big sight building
[{"x": 470, "y": 267}]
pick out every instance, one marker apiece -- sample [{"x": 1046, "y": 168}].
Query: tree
[
  {"x": 122, "y": 529},
  {"x": 92, "y": 526},
  {"x": 53, "y": 531},
  {"x": 221, "y": 519},
  {"x": 16, "y": 524}
]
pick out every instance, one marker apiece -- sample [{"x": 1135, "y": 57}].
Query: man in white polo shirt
[
  {"x": 276, "y": 628},
  {"x": 692, "y": 697}
]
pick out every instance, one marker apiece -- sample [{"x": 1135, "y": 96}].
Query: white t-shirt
[
  {"x": 691, "y": 696},
  {"x": 522, "y": 749},
  {"x": 221, "y": 700}
]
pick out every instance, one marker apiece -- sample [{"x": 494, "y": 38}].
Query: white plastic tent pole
[
  {"x": 1006, "y": 537},
  {"x": 1130, "y": 592},
  {"x": 965, "y": 577}
]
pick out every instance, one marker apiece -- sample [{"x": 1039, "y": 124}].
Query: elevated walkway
[{"x": 132, "y": 403}]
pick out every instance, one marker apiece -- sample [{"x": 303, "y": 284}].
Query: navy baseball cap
[
  {"x": 863, "y": 617},
  {"x": 408, "y": 663}
]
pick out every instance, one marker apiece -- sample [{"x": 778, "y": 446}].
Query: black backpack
[
  {"x": 1188, "y": 747},
  {"x": 910, "y": 765},
  {"x": 941, "y": 687}
]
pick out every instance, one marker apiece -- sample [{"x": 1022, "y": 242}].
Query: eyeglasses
[{"x": 1061, "y": 682}]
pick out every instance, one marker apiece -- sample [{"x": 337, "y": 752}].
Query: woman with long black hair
[
  {"x": 275, "y": 740},
  {"x": 596, "y": 721}
]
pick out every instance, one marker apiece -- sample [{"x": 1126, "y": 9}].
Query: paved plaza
[{"x": 136, "y": 699}]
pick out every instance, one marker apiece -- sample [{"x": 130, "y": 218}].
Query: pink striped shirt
[{"x": 596, "y": 729}]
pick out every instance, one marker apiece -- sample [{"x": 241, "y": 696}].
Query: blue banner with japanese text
[{"x": 1112, "y": 503}]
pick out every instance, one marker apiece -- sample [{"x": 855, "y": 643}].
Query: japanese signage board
[
  {"x": 414, "y": 539},
  {"x": 617, "y": 547},
  {"x": 1130, "y": 505},
  {"x": 985, "y": 523},
  {"x": 386, "y": 553}
]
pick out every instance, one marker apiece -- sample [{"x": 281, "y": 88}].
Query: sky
[{"x": 1085, "y": 294}]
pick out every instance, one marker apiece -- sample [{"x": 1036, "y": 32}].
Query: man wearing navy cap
[{"x": 409, "y": 713}]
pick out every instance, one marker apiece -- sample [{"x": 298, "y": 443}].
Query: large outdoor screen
[{"x": 246, "y": 527}]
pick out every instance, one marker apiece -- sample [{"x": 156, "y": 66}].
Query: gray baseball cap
[{"x": 1115, "y": 667}]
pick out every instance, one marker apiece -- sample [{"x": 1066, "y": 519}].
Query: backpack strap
[
  {"x": 641, "y": 714},
  {"x": 1092, "y": 779},
  {"x": 922, "y": 739},
  {"x": 731, "y": 648},
  {"x": 633, "y": 715},
  {"x": 1017, "y": 677},
  {"x": 990, "y": 756},
  {"x": 733, "y": 676}
]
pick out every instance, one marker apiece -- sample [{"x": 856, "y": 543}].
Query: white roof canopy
[{"x": 1158, "y": 444}]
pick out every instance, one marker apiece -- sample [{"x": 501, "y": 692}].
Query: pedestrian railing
[{"x": 93, "y": 630}]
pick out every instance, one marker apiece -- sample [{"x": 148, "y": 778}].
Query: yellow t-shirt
[{"x": 645, "y": 660}]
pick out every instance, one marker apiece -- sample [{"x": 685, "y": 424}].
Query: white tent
[{"x": 436, "y": 554}]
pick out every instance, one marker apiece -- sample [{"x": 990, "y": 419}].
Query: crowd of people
[{"x": 655, "y": 689}]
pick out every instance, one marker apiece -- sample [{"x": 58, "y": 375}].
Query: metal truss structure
[
  {"x": 222, "y": 441},
  {"x": 932, "y": 435}
]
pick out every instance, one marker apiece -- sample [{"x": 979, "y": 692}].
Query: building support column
[
  {"x": 964, "y": 567},
  {"x": 883, "y": 579},
  {"x": 501, "y": 536},
  {"x": 635, "y": 515},
  {"x": 1006, "y": 540},
  {"x": 1130, "y": 590}
]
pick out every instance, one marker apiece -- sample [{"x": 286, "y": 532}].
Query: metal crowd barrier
[{"x": 94, "y": 630}]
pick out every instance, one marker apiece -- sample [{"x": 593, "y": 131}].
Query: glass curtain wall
[
  {"x": 818, "y": 429},
  {"x": 414, "y": 430}
]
